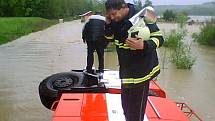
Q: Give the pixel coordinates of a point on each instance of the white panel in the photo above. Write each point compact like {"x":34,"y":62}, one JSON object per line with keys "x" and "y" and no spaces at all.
{"x":111,"y":79}
{"x":114,"y":106}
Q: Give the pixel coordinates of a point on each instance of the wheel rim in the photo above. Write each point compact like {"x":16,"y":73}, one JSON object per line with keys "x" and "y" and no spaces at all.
{"x":63,"y":82}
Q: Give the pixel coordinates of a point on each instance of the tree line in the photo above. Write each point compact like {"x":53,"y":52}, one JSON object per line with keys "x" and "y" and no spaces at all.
{"x":54,"y":8}
{"x":48,"y":8}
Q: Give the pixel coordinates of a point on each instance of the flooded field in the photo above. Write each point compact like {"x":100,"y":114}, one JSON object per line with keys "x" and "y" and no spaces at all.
{"x":28,"y":60}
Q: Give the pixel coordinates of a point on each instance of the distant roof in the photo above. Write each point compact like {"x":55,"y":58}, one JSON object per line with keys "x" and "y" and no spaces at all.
{"x":200,"y":18}
{"x":86,"y":13}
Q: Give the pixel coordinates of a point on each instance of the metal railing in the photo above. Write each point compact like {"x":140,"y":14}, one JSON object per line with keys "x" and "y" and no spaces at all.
{"x":188,"y":111}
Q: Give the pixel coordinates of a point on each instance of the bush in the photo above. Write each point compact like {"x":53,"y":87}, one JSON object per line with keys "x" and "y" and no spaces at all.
{"x":182,"y":18}
{"x":174,"y":39}
{"x":207,"y":34}
{"x":180,"y":53}
{"x":182,"y":58}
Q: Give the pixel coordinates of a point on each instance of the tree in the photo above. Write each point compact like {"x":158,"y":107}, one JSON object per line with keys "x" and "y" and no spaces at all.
{"x":169,"y":15}
{"x":148,"y":3}
{"x":49,"y":8}
{"x":138,"y":4}
{"x":99,"y":5}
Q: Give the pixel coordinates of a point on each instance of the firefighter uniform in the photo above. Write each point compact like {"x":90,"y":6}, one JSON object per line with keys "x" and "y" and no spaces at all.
{"x":137,"y":67}
{"x":93,"y":34}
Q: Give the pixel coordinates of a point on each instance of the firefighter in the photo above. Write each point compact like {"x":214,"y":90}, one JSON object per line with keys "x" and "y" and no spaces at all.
{"x":130,"y":4}
{"x":138,"y":60}
{"x":93,"y":35}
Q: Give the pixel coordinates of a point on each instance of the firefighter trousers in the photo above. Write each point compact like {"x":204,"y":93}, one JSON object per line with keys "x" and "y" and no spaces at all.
{"x":91,"y":48}
{"x":134,"y":100}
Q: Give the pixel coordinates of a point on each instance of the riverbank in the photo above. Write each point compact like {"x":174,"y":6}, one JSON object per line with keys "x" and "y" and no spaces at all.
{"x":12,"y":28}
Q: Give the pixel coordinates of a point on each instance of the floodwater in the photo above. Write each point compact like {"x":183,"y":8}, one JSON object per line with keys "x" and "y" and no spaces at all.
{"x":28,"y":60}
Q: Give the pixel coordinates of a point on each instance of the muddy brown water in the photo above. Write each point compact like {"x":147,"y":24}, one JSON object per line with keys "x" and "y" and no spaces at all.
{"x":29,"y":59}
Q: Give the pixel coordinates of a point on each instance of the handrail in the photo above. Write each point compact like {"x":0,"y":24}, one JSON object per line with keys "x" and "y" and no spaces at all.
{"x":188,"y":111}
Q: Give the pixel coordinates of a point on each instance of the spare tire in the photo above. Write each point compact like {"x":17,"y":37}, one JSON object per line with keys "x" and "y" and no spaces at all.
{"x":49,"y":87}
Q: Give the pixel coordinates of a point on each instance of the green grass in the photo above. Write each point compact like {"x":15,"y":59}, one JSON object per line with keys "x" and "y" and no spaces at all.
{"x":12,"y":28}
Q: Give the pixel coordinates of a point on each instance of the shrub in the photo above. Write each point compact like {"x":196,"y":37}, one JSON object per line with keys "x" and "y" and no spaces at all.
{"x":182,"y":58}
{"x":174,"y":39}
{"x":207,"y":34}
{"x":180,"y":53}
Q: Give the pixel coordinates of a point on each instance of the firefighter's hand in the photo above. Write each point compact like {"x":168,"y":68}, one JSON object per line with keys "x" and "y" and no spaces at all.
{"x":135,"y":43}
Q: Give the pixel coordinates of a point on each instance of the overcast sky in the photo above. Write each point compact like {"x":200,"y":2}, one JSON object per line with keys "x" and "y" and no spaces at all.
{"x":178,"y":2}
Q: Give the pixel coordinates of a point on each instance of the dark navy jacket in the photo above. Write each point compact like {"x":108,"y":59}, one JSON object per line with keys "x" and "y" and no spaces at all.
{"x":136,"y":66}
{"x":94,"y":29}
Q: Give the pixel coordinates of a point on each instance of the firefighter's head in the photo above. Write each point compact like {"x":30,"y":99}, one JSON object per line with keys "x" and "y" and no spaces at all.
{"x":116,"y":10}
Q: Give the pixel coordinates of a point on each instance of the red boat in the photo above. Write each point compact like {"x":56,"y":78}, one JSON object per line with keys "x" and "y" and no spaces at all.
{"x":79,"y":96}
